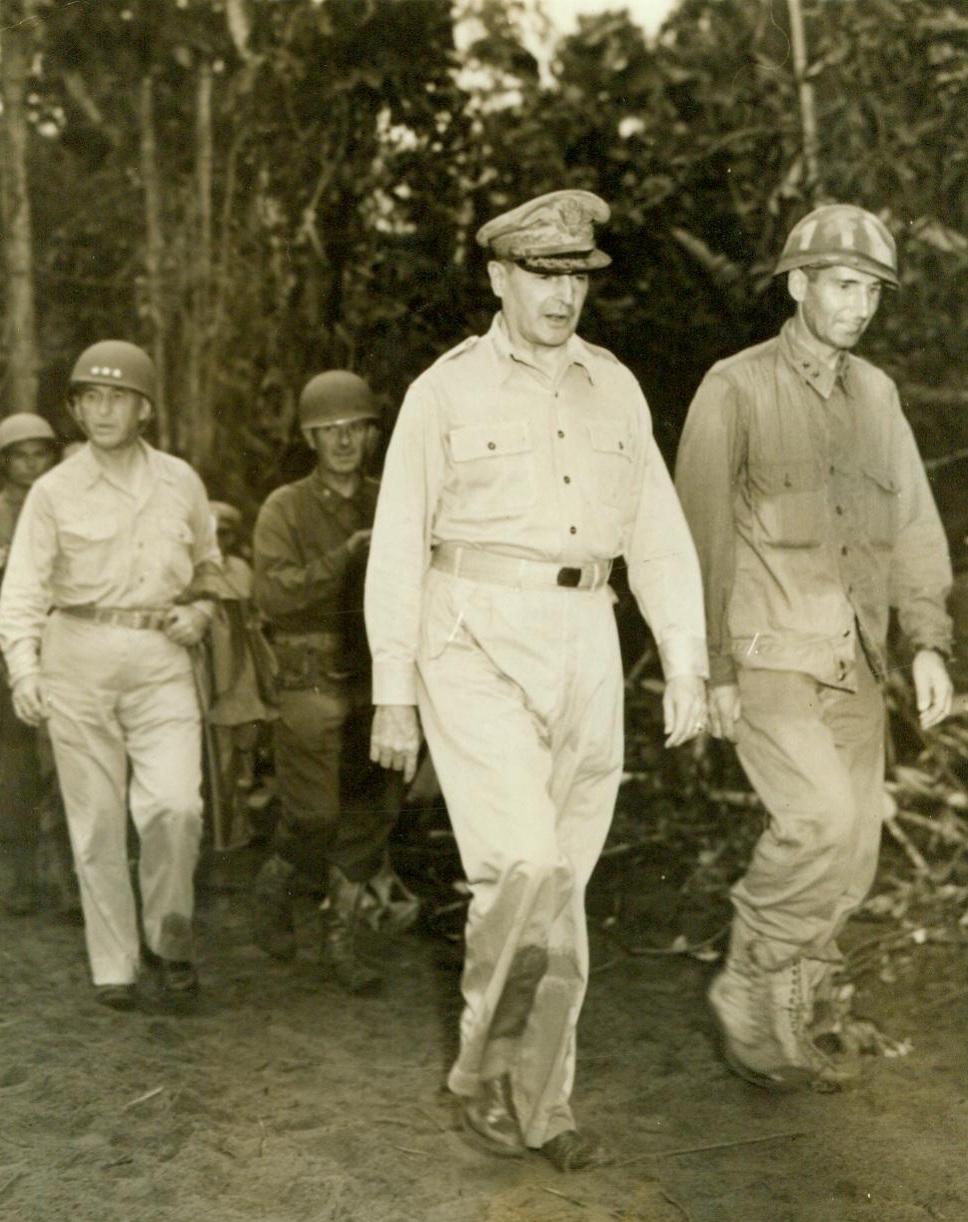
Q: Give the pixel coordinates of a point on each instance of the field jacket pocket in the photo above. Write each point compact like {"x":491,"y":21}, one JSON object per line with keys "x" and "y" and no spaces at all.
{"x":788,"y":503}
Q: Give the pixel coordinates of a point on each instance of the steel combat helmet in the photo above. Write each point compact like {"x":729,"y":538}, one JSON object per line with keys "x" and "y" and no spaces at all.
{"x":24,"y":426}
{"x":336,"y":397}
{"x":115,"y":362}
{"x":841,"y":235}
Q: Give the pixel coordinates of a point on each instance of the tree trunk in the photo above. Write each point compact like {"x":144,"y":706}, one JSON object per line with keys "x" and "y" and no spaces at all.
{"x":813,"y":186}
{"x":154,"y":253}
{"x":200,"y":340}
{"x":20,"y":324}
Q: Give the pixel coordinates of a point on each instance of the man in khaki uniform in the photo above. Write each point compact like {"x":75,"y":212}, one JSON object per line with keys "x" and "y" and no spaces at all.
{"x":522,"y":462}
{"x":812,"y":516}
{"x":102,"y":598}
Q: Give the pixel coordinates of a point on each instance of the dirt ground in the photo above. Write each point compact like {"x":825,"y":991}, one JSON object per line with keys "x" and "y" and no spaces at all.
{"x":284,"y":1100}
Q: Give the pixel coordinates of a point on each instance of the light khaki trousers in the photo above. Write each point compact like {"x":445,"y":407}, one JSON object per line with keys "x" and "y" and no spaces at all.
{"x":520,"y":697}
{"x":815,"y":756}
{"x":126,"y":731}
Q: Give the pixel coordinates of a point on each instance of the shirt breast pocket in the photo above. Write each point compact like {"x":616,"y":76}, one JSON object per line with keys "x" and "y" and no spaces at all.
{"x":171,"y":540}
{"x":88,"y":547}
{"x":881,"y":494}
{"x":611,"y":454}
{"x":494,"y":467}
{"x":788,"y":503}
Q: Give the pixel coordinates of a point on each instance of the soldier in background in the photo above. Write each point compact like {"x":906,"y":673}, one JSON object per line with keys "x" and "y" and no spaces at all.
{"x":30,"y":810}
{"x":103,"y":597}
{"x":310,"y":548}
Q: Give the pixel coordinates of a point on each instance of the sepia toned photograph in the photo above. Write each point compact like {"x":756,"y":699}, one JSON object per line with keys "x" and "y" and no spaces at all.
{"x":483,"y":610}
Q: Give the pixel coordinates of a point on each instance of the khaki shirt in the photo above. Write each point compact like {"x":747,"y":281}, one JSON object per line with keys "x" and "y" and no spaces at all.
{"x":811,"y":513}
{"x":492,"y":453}
{"x":82,"y":539}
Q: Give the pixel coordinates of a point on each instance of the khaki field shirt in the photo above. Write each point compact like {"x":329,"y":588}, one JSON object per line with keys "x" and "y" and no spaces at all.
{"x":811,"y":513}
{"x":489,"y":452}
{"x":83,"y":540}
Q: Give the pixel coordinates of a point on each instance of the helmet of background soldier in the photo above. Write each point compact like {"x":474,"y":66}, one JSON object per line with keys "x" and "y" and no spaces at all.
{"x":115,"y":362}
{"x":841,"y":235}
{"x":336,"y":397}
{"x":24,"y":426}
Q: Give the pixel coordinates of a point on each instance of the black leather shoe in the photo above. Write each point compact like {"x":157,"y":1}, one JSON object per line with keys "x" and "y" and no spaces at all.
{"x":571,"y":1151}
{"x":179,"y":981}
{"x":489,"y":1120}
{"x":115,"y":996}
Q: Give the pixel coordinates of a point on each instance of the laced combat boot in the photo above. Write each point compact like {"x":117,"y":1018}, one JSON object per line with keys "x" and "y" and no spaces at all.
{"x":341,"y":918}
{"x":388,"y":904}
{"x":763,"y":1016}
{"x":273,"y":928}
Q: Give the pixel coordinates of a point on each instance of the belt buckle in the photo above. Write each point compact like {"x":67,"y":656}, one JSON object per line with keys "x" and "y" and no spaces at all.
{"x":569,"y":577}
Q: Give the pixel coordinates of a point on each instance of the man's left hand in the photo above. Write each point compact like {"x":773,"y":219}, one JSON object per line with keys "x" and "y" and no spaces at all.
{"x":932,"y":687}
{"x":186,"y":625}
{"x":683,"y":708}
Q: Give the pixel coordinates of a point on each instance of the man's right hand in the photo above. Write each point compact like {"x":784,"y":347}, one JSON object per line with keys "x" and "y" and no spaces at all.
{"x":359,"y":540}
{"x":28,"y":700}
{"x":724,"y":711}
{"x":395,"y":739}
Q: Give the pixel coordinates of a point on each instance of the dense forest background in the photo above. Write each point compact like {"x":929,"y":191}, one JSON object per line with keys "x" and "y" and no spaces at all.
{"x":258,"y":189}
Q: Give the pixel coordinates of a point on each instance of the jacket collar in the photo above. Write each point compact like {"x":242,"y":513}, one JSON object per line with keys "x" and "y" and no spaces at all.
{"x":803,"y":354}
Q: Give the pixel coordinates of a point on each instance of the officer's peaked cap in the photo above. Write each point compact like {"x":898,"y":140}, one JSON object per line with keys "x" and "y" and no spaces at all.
{"x":552,"y":233}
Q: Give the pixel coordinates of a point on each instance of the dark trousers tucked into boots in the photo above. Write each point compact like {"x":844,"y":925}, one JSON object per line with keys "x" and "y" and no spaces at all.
{"x":338,"y":810}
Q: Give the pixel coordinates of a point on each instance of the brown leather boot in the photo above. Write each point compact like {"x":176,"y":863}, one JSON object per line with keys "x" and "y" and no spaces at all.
{"x":340,"y":922}
{"x":273,"y":929}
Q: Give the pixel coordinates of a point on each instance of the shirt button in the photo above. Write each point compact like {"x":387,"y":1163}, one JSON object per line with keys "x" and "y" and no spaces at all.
{"x":560,"y":433}
{"x":840,"y":509}
{"x":573,"y":530}
{"x":491,"y":445}
{"x":843,"y":550}
{"x":567,"y":479}
{"x":831,"y":468}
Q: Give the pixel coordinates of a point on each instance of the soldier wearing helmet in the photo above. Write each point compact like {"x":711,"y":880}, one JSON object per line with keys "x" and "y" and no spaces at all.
{"x":28,"y":448}
{"x":103,"y":598}
{"x":309,"y":552}
{"x":813,"y":517}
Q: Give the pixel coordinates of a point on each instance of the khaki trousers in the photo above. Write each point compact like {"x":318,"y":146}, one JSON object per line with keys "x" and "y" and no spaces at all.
{"x":520,"y":696}
{"x":126,"y":731}
{"x":815,"y":756}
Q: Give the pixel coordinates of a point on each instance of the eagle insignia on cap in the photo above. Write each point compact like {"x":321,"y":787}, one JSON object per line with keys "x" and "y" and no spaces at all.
{"x":554,"y":233}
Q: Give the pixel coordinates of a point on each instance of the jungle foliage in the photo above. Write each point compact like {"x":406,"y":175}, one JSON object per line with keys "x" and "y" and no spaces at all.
{"x":255,"y":190}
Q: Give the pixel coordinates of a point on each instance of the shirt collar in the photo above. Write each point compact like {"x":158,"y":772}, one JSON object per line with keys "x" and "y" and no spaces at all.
{"x":324,"y":491}
{"x":89,"y":470}
{"x":803,"y":353}
{"x":576,"y":348}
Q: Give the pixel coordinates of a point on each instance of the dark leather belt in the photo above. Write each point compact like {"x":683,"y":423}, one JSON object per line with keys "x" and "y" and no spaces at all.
{"x":120,"y":617}
{"x":503,"y":570}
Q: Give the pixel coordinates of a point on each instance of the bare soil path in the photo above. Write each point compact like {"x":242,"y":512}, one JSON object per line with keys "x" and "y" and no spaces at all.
{"x":283,"y":1100}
